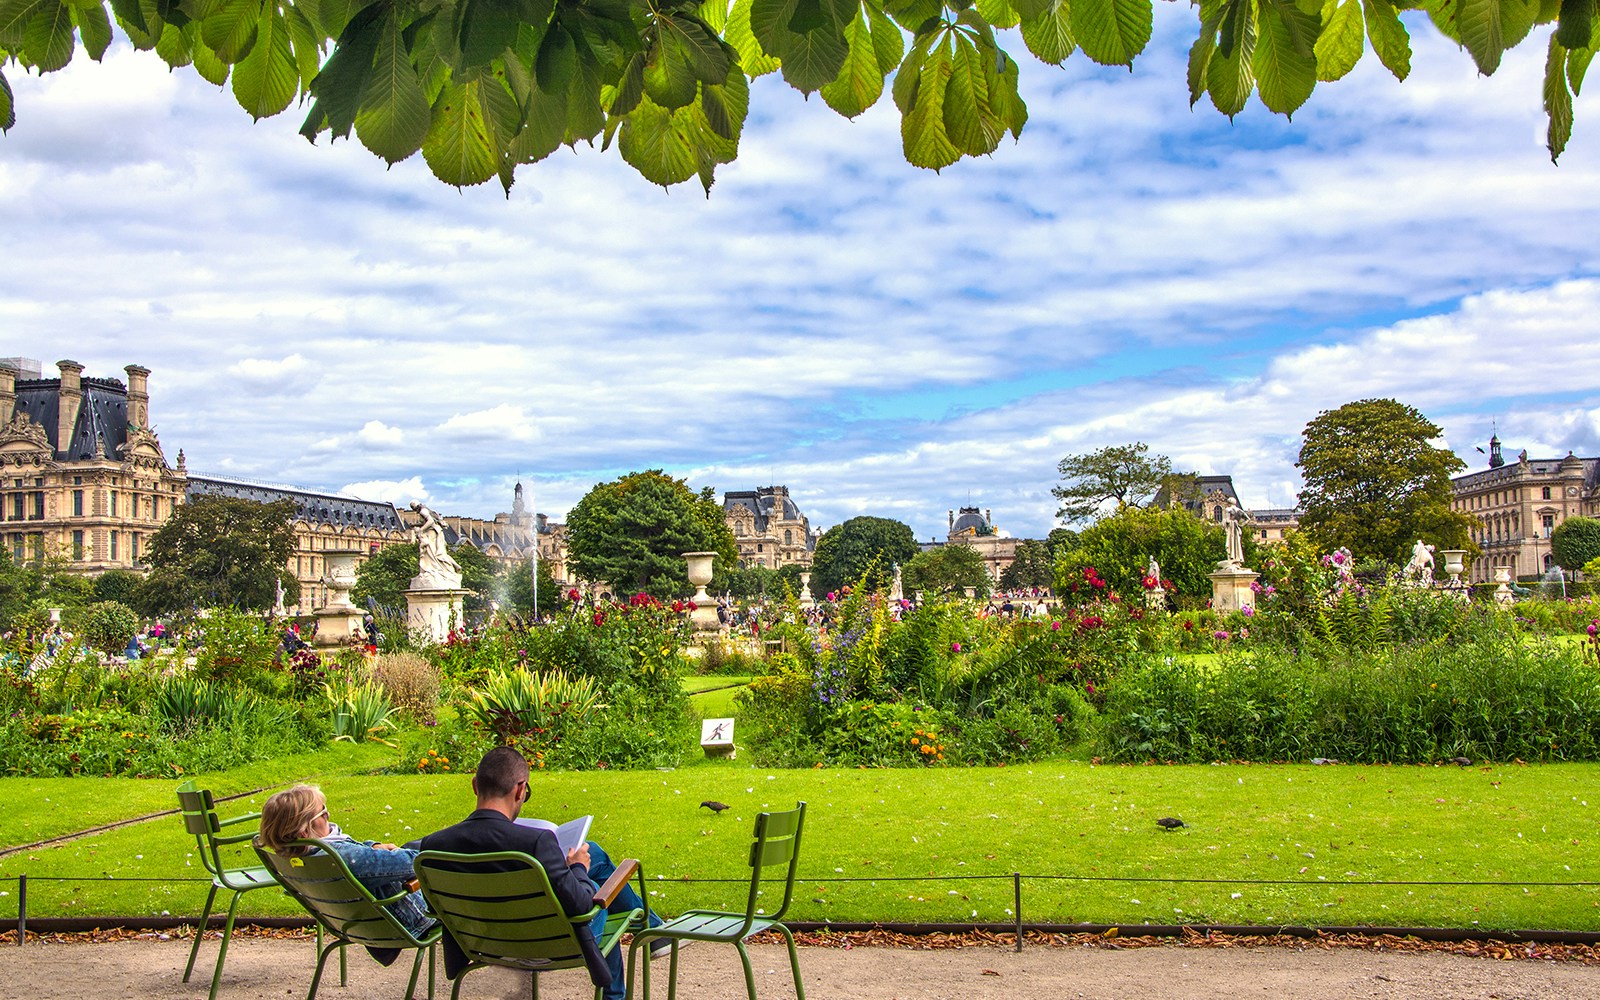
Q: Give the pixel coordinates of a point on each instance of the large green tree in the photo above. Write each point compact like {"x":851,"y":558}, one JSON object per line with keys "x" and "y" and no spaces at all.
{"x":1126,"y":475}
{"x":1031,"y":568}
{"x":946,"y":568}
{"x":384,"y":576}
{"x":480,"y":87}
{"x":1575,"y":542}
{"x":221,"y":552}
{"x":1375,"y":482}
{"x":846,"y":551}
{"x":631,"y":533}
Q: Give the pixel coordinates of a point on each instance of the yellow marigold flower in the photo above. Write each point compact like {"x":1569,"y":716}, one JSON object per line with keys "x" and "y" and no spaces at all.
{"x":433,"y":753}
{"x":915,"y":741}
{"x":423,"y":762}
{"x":444,"y":760}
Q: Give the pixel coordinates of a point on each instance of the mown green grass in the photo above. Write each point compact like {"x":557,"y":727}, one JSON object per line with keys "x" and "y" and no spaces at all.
{"x":1292,"y":822}
{"x":696,"y":683}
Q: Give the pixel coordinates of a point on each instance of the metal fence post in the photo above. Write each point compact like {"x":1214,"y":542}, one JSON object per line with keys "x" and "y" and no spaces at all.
{"x":1016,"y":898}
{"x":22,"y":909}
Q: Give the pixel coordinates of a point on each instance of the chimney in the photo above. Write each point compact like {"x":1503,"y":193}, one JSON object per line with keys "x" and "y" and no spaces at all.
{"x":69,"y":402}
{"x":8,"y":393}
{"x":138,"y":396}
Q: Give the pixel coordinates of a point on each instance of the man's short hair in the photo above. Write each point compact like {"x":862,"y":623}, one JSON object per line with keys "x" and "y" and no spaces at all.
{"x":501,"y":770}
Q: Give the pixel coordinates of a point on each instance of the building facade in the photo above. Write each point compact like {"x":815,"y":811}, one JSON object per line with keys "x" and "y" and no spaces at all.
{"x":323,"y":523}
{"x":509,"y":538}
{"x":82,"y":476}
{"x":1215,"y":495}
{"x":768,"y":528}
{"x":1518,"y":504}
{"x":976,"y":531}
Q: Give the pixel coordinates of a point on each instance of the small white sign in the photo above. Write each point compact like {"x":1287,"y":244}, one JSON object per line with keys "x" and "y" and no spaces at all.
{"x":716,"y":737}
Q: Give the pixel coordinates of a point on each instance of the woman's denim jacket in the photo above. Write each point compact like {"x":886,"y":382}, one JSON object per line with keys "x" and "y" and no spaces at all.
{"x":384,"y":873}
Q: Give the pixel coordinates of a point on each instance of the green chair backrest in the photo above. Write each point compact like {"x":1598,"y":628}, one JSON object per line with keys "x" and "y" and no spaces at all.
{"x":500,"y":909}
{"x":199,"y":813}
{"x":322,"y":883}
{"x":777,"y":842}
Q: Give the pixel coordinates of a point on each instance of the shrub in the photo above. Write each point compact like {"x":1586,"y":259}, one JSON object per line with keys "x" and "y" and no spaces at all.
{"x":360,"y":711}
{"x":531,"y":707}
{"x":239,"y":649}
{"x":411,"y":682}
{"x":107,"y":626}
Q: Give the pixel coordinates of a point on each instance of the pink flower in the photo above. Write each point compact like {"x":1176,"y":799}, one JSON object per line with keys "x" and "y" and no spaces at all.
{"x":1219,"y":634}
{"x":955,"y":647}
{"x":1248,"y":610}
{"x":1055,"y":626}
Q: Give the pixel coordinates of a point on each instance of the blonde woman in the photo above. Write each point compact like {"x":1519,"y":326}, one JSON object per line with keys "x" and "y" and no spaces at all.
{"x":301,"y":813}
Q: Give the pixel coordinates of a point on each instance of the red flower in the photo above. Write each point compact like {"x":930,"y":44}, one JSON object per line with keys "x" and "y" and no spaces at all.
{"x":599,"y":617}
{"x":572,"y":595}
{"x":677,"y":606}
{"x":1149,"y":583}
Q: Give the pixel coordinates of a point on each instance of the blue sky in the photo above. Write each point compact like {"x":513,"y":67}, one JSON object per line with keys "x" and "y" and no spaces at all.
{"x":882,"y":339}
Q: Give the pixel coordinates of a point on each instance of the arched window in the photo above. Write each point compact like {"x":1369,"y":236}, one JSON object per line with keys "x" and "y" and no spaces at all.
{"x":788,"y":536}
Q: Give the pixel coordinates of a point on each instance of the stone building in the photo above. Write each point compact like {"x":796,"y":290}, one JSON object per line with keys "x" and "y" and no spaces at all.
{"x":975,"y":529}
{"x":82,"y":475}
{"x":1517,"y":505}
{"x":768,"y":528}
{"x":323,"y":523}
{"x":1214,"y":495}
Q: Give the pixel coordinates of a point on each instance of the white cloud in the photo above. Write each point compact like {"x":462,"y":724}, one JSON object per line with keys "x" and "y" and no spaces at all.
{"x":505,"y":423}
{"x":377,"y":434}
{"x":400,"y":493}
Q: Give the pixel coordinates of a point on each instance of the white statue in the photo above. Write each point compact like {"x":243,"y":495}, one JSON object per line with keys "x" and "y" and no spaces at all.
{"x":436,"y":570}
{"x":277,"y":603}
{"x":1420,"y":568}
{"x":1233,"y":528}
{"x":1153,"y":571}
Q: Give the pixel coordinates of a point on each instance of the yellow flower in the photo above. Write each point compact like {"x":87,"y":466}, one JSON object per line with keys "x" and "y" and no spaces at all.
{"x":444,"y":760}
{"x":423,"y":762}
{"x":447,"y":767}
{"x":915,"y":741}
{"x":433,"y":753}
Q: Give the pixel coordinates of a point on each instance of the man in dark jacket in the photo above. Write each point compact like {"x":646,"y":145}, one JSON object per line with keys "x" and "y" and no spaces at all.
{"x":501,"y":785}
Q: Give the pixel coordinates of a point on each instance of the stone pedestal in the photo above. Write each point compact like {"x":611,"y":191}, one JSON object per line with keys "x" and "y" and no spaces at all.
{"x":1230,"y":587}
{"x":704,"y":615}
{"x":806,"y":600}
{"x":1155,"y":599}
{"x":435,"y":611}
{"x":1502,"y":590}
{"x":339,"y":619}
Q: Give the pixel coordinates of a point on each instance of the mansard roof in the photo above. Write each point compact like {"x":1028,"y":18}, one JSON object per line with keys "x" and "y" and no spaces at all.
{"x":102,"y":426}
{"x":315,"y":508}
{"x":765,"y":502}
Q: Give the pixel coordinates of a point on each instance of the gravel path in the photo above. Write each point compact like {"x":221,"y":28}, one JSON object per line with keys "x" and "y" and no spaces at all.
{"x":261,"y":968}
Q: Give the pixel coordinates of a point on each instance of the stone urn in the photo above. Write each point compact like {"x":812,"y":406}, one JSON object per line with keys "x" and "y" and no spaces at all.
{"x":1454,"y":564}
{"x":704,"y":615}
{"x":340,"y":579}
{"x":1502,"y":590}
{"x":806,"y":600}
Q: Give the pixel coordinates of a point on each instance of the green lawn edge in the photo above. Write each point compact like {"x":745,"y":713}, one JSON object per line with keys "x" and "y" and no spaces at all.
{"x":941,"y":845}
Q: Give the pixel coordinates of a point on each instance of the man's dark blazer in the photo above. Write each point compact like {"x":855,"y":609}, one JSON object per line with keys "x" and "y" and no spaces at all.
{"x":487,"y":831}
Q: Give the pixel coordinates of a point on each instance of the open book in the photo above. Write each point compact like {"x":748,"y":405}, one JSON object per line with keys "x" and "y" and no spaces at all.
{"x":569,"y":834}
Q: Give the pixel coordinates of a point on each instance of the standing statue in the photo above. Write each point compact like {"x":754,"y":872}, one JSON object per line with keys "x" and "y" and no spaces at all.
{"x":1233,"y":528}
{"x":436,"y":570}
{"x":1420,"y":568}
{"x":1153,"y":571}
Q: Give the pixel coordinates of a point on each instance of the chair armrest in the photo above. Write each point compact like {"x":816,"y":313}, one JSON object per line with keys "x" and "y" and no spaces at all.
{"x":237,"y":838}
{"x":619,"y":878}
{"x":242,"y":818}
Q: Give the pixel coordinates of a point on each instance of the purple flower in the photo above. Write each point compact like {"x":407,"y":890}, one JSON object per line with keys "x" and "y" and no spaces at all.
{"x":1248,"y":610}
{"x":1219,"y":634}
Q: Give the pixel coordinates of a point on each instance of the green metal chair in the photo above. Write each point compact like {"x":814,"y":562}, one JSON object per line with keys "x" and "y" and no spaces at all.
{"x":777,"y":842}
{"x":200,"y":818}
{"x":323,"y":884}
{"x":501,"y":910}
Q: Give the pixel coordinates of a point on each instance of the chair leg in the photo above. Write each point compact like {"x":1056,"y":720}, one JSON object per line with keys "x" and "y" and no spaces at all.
{"x":227,"y":935}
{"x":200,"y":931}
{"x":431,"y":978}
{"x":794,"y":963}
{"x":672,"y":972}
{"x":344,"y":965}
{"x":533,"y":986}
{"x":416,"y":970}
{"x":749,"y":974}
{"x":322,"y":960}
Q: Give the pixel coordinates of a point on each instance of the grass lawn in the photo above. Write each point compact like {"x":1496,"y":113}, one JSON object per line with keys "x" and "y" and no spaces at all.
{"x":877,"y":842}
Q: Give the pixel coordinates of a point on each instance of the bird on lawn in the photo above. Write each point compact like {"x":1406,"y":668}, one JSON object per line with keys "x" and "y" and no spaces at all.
{"x":714,"y":805}
{"x":1170,"y":823}
{"x":1461,"y":761}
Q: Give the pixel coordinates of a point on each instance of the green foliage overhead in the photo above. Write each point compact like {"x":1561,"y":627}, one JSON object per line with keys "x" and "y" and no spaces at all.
{"x":1126,"y":475}
{"x":846,"y":551}
{"x":478,"y":575}
{"x":948,"y":567}
{"x":1576,"y":542}
{"x":1375,"y":483}
{"x":631,"y":533}
{"x":221,"y":552}
{"x":481,"y":87}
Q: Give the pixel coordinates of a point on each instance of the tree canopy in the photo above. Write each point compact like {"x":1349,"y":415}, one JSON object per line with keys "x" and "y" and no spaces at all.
{"x":221,"y":552}
{"x":481,"y":87}
{"x":1375,"y":483}
{"x":1120,"y":545}
{"x":847,"y":551}
{"x":1126,"y":474}
{"x":631,"y":533}
{"x":1031,"y":567}
{"x":945,"y":568}
{"x":1576,"y":542}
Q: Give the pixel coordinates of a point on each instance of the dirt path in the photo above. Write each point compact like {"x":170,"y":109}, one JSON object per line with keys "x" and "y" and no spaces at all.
{"x":280,"y":969}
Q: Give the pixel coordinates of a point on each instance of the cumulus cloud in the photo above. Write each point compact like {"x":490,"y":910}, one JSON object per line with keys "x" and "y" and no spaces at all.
{"x":377,"y":434}
{"x":400,"y":493}
{"x":503,"y":423}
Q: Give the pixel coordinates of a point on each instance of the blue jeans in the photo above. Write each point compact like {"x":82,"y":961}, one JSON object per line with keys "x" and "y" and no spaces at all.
{"x":600,"y":869}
